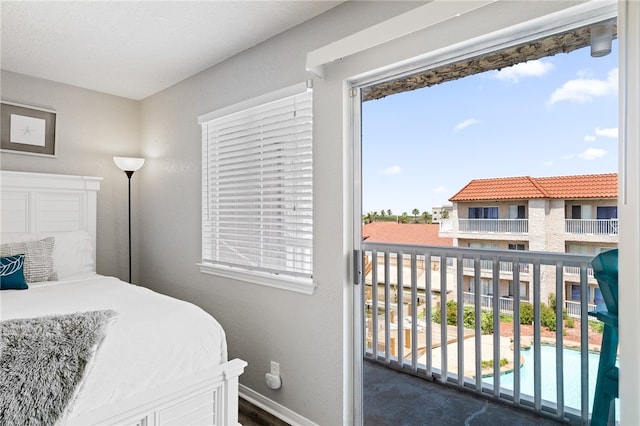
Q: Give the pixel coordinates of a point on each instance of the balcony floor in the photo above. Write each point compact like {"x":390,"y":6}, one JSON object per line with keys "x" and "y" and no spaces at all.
{"x":398,"y":399}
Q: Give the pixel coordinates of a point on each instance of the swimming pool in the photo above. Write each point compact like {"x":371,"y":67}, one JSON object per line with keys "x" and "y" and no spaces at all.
{"x":571,"y":376}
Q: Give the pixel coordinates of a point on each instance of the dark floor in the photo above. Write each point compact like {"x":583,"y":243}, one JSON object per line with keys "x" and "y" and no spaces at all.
{"x":392,"y":398}
{"x":250,"y":415}
{"x":398,"y":399}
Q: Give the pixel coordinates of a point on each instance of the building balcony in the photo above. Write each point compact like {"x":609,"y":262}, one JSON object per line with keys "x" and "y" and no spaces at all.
{"x":477,"y":344}
{"x":591,"y":226}
{"x":486,"y":226}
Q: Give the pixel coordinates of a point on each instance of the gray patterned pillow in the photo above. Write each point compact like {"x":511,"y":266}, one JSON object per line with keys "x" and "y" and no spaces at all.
{"x":38,"y":259}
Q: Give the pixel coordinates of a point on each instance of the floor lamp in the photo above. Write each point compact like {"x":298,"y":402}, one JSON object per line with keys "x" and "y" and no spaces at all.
{"x":129,"y":165}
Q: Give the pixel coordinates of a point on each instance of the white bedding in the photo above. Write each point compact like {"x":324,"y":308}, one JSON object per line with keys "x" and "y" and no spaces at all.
{"x":154,"y":340}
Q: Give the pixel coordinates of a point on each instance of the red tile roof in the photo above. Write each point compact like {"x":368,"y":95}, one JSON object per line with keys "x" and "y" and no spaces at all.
{"x":526,"y":187}
{"x":404,"y":233}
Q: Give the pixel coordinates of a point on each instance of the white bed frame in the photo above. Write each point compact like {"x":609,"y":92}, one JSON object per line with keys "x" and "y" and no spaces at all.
{"x":45,"y":203}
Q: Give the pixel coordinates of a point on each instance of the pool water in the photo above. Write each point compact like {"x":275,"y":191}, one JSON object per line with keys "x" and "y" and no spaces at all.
{"x":571,"y":376}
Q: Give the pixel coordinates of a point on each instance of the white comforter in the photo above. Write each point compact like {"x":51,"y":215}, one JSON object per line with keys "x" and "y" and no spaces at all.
{"x":154,"y":340}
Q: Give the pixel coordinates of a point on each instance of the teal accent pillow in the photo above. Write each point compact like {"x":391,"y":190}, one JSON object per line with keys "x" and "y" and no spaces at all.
{"x":12,"y":273}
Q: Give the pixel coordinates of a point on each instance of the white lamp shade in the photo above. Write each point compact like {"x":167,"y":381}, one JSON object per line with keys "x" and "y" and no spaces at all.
{"x":129,"y":164}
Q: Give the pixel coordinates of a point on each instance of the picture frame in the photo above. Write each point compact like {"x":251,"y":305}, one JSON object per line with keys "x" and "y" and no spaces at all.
{"x":27,"y":129}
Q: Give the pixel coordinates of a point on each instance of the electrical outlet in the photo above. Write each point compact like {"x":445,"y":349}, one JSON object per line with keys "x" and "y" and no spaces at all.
{"x":275,"y":368}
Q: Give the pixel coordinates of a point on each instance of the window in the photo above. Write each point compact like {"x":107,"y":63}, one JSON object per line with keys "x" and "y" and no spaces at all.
{"x":576,"y":212}
{"x":483,"y":212}
{"x":257,"y":200}
{"x":523,"y":288}
{"x":516,"y":212}
{"x":575,"y":293}
{"x":607,"y":212}
{"x":516,"y":246}
{"x":486,"y":287}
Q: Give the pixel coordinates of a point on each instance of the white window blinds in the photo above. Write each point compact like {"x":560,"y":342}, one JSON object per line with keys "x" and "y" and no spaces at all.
{"x":257,"y":198}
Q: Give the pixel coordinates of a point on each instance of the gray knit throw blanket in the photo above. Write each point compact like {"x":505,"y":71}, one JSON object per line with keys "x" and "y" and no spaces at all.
{"x":42,"y":361}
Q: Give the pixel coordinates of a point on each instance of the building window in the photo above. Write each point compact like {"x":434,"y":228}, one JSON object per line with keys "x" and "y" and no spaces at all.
{"x":483,"y":212}
{"x":516,"y":212}
{"x":576,"y":212}
{"x":257,"y":199}
{"x":607,"y":212}
{"x":516,"y":246}
{"x":575,"y":293}
{"x":524,"y":290}
{"x":486,"y":287}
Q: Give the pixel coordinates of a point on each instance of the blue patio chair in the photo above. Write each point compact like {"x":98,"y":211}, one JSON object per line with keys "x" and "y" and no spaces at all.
{"x":605,"y":270}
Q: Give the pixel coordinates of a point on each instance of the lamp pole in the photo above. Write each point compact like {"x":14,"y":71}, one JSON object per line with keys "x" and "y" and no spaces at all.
{"x":129,"y":173}
{"x":129,"y":166}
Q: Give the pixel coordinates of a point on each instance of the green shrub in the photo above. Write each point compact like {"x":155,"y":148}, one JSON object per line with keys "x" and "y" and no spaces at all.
{"x":469,"y":317}
{"x":452,"y":312}
{"x":553,"y":305}
{"x":526,"y":313}
{"x":597,"y":326}
{"x":489,"y":364}
{"x":486,"y":322}
{"x":548,"y":317}
{"x":506,"y":318}
{"x":435,"y":315}
{"x":570,"y":323}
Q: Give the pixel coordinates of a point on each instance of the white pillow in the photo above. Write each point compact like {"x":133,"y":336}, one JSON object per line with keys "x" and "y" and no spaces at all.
{"x":72,"y":252}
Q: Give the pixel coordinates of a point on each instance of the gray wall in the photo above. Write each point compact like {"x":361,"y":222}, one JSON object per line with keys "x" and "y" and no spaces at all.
{"x":303,"y":333}
{"x":92,"y":128}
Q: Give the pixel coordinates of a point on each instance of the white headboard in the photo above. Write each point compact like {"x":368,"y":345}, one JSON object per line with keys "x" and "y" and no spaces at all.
{"x":41,"y":203}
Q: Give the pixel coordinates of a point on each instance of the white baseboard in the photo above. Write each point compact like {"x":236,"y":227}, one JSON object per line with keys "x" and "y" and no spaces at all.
{"x":272,"y":407}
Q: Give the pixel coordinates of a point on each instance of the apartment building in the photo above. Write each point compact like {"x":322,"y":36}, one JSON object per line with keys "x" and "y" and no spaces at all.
{"x":570,"y":214}
{"x":441,"y":212}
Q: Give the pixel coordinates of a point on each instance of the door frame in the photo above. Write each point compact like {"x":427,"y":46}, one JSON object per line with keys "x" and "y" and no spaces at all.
{"x":573,"y":17}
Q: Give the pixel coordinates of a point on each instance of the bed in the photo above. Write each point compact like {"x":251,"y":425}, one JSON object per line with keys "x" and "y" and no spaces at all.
{"x":136,"y":357}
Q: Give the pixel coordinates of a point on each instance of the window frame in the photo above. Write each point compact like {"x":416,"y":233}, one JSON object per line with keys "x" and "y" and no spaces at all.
{"x":299,"y":284}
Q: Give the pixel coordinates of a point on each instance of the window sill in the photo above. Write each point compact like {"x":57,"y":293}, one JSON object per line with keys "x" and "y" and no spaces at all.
{"x":297,"y":285}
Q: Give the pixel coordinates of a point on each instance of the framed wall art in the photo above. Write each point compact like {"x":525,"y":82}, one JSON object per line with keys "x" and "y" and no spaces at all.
{"x":27,"y":130}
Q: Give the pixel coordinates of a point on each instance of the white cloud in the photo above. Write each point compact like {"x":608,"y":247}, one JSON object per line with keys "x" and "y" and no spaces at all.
{"x":589,"y":138}
{"x":568,"y":157}
{"x":607,"y":133}
{"x":514,"y":73}
{"x":393,"y":170}
{"x":592,"y":153}
{"x":465,"y":123}
{"x":439,"y":189}
{"x":586,"y":89}
{"x":548,"y":163}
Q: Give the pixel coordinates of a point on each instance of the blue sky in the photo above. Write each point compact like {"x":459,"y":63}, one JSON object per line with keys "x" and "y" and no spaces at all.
{"x":551,"y":117}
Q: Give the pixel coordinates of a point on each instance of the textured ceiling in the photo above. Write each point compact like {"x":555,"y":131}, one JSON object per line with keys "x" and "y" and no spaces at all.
{"x":137,"y":48}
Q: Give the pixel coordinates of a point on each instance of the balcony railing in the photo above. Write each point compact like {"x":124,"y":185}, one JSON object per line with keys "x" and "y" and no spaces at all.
{"x":472,"y":347}
{"x":486,"y":265}
{"x":591,"y":226}
{"x":574,"y":308}
{"x":492,"y":226}
{"x":486,"y":302}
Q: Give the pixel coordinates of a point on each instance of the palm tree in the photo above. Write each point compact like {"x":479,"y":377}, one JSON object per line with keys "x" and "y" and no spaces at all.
{"x":388,"y":212}
{"x":425,"y":216}
{"x":404,"y":218}
{"x":415,"y":213}
{"x":382,"y":213}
